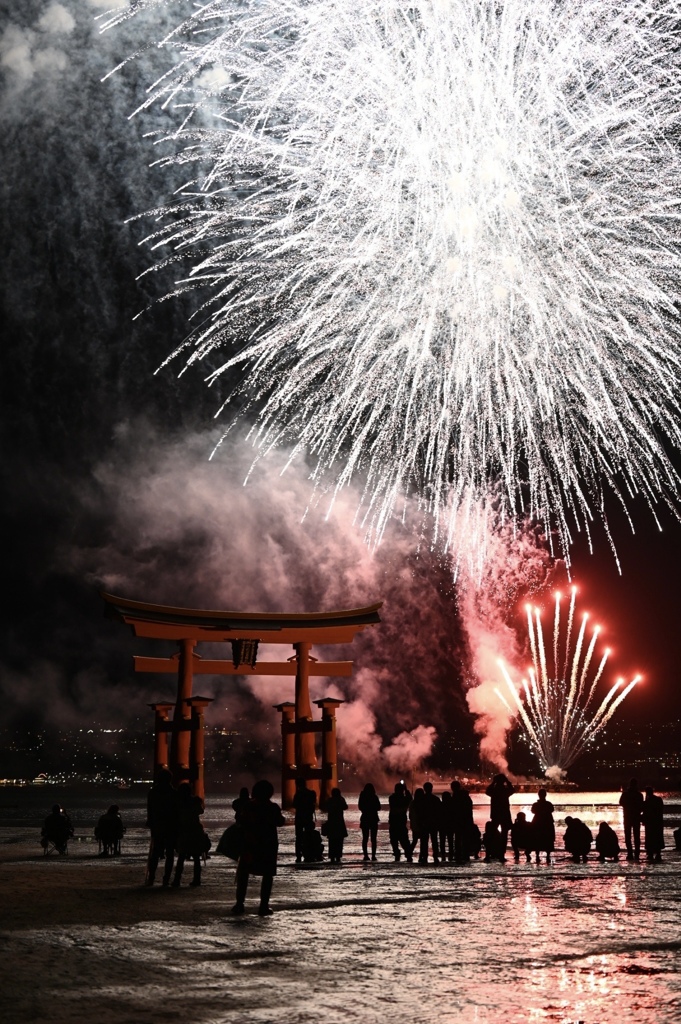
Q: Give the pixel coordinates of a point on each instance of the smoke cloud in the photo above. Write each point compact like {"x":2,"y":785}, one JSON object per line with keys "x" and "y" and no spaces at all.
{"x":516,"y":564}
{"x":157,"y":520}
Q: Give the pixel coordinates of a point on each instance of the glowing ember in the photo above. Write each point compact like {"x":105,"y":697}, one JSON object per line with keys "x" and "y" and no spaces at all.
{"x":439,"y":238}
{"x":554,"y":706}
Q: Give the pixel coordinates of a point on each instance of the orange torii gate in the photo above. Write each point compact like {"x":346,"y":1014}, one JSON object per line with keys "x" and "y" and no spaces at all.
{"x":184,"y":755}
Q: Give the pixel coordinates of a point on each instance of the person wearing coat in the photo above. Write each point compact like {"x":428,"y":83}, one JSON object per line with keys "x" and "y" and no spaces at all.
{"x":499,"y":792}
{"x":57,"y":829}
{"x":241,"y":804}
{"x":607,"y":843}
{"x":432,"y":818}
{"x":260,"y":847}
{"x":494,"y":848}
{"x":192,"y":841}
{"x":447,"y":827}
{"x":466,"y":832}
{"x":162,"y":823}
{"x":631,"y":802}
{"x":521,"y":837}
{"x":109,"y":830}
{"x":543,"y":828}
{"x":398,"y":831}
{"x":336,"y":829}
{"x":653,"y":825}
{"x":369,"y":805}
{"x":304,"y":804}
{"x":578,"y":839}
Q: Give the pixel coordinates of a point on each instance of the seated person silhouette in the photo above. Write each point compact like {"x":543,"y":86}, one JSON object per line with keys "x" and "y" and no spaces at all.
{"x":110,"y":830}
{"x":521,"y":837}
{"x":56,"y":831}
{"x":607,"y":843}
{"x":495,"y":842}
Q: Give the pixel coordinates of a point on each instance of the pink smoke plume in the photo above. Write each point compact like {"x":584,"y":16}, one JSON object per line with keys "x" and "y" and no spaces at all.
{"x":360,"y":743}
{"x":503,"y":562}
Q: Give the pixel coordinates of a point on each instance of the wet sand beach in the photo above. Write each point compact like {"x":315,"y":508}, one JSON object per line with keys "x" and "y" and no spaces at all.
{"x":84,"y":941}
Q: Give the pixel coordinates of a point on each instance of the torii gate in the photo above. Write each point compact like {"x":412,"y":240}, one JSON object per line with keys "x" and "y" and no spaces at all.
{"x":244,"y":631}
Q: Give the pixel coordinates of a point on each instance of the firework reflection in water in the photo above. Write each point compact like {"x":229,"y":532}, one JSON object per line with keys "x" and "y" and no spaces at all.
{"x":555,"y":707}
{"x":439,"y":240}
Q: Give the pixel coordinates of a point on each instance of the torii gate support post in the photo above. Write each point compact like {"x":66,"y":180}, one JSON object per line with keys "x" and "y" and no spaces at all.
{"x":288,"y":752}
{"x":162,"y":727}
{"x":329,"y":706}
{"x":304,"y":741}
{"x":197,"y":706}
{"x":182,"y":716}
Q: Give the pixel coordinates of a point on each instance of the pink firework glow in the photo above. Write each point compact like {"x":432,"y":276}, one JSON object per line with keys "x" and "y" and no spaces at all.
{"x":554,"y":701}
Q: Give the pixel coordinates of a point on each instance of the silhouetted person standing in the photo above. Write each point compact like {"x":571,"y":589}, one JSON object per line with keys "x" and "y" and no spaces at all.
{"x":607,"y":843}
{"x":162,"y":821}
{"x":631,"y":803}
{"x":447,"y":826}
{"x":653,"y":825}
{"x":499,"y":792}
{"x":543,"y":828}
{"x":304,"y":803}
{"x":261,"y":846}
{"x":578,"y":839}
{"x":398,"y":817}
{"x":336,"y":829}
{"x":462,"y":813}
{"x":432,"y":811}
{"x":369,"y":805}
{"x":192,"y":841}
{"x":417,"y":817}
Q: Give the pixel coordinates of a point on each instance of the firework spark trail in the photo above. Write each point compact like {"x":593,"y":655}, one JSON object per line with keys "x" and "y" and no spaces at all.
{"x":556,"y":633}
{"x":596,"y":679}
{"x":571,"y":619}
{"x":587,"y":663}
{"x":439,"y":240}
{"x":554,"y":711}
{"x":572,"y":693}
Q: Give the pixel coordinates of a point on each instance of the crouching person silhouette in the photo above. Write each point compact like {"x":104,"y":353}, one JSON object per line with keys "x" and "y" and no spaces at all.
{"x":261,"y":846}
{"x":607,"y":844}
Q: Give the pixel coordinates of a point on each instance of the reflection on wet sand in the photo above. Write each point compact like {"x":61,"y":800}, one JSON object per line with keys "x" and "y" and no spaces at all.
{"x":83,"y":939}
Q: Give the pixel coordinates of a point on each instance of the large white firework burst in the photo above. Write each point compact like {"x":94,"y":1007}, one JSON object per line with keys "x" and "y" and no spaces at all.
{"x":440,"y":239}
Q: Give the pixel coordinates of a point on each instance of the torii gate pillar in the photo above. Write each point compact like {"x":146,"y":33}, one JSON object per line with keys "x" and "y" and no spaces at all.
{"x":162,"y":726}
{"x":180,"y":743}
{"x":288,"y":751}
{"x":197,"y":707}
{"x":304,"y":741}
{"x":329,"y":706}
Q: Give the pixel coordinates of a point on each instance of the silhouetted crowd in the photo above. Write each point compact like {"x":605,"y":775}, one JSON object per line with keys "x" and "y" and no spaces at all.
{"x":423,"y":827}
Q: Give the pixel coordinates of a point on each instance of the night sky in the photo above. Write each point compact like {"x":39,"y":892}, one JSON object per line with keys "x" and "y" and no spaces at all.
{"x":106,"y":478}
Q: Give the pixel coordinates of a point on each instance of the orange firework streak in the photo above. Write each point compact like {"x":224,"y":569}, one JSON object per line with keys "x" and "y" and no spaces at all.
{"x":244,"y":631}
